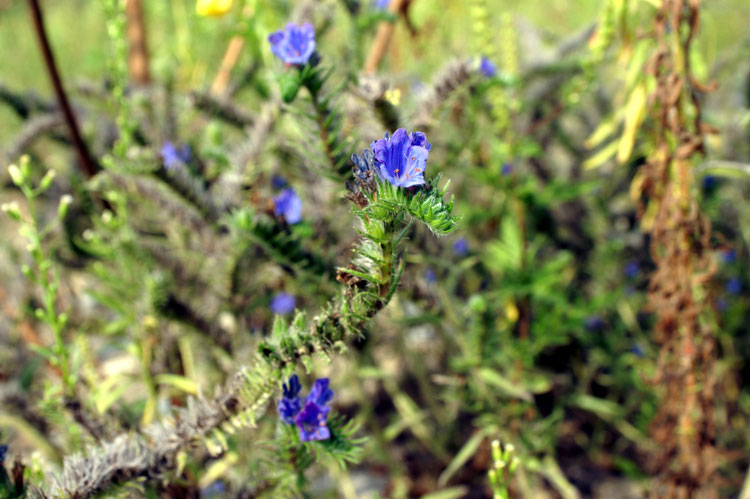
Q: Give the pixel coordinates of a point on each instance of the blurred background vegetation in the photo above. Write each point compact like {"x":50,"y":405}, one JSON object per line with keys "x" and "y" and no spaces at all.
{"x":531,"y":324}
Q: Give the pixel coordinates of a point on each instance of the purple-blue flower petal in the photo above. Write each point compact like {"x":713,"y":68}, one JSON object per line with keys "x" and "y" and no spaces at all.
{"x":294,"y":44}
{"x":288,"y":205}
{"x":461,"y":246}
{"x":487,"y":67}
{"x":312,"y":422}
{"x":320,"y":393}
{"x":293,"y":387}
{"x":402,"y":158}
{"x":283,"y":303}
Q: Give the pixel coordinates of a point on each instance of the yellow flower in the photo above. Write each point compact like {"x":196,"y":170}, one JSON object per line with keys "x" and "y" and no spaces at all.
{"x":393,"y":95}
{"x":213,"y":8}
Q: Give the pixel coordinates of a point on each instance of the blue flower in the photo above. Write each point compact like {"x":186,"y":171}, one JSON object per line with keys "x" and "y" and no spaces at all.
{"x":637,"y":350}
{"x":729,"y":256}
{"x":734,"y":286}
{"x":295,"y":44}
{"x":216,"y":488}
{"x":461,"y":246}
{"x":402,"y":158}
{"x":382,"y":4}
{"x":288,"y":205}
{"x":3,"y":452}
{"x":631,"y":269}
{"x":283,"y":303}
{"x":278,"y":182}
{"x":506,"y":169}
{"x":429,"y":276}
{"x":594,"y":323}
{"x":709,"y":182}
{"x":173,"y":157}
{"x":487,"y":67}
{"x":722,"y":304}
{"x":313,"y":418}
{"x":320,"y":394}
{"x":290,"y":403}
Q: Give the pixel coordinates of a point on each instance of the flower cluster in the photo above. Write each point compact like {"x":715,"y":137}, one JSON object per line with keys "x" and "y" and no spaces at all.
{"x":401,"y":159}
{"x":312,"y":417}
{"x":295,"y":44}
{"x":288,"y":205}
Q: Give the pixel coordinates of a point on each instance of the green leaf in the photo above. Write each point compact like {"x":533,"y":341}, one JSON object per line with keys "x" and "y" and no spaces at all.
{"x":509,"y":388}
{"x":179,"y":382}
{"x":468,"y":450}
{"x":290,"y":83}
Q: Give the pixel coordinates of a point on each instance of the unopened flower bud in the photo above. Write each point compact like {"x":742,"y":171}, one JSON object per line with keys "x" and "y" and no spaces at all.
{"x":12,"y":210}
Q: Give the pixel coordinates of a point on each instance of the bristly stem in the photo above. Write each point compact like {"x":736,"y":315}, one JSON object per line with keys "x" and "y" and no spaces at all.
{"x":89,"y":165}
{"x":327,"y":124}
{"x":387,"y":267}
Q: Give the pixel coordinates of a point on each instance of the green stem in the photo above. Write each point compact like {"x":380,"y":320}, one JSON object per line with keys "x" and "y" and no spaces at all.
{"x":327,"y":131}
{"x":49,"y":288}
{"x":386,"y":271}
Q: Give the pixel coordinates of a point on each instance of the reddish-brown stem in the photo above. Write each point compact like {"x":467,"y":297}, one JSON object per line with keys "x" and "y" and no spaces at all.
{"x":138,"y":50}
{"x":382,"y":39}
{"x":89,"y":165}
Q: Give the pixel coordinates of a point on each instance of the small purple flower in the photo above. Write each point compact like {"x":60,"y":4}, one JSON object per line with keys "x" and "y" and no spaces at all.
{"x":283,"y":303}
{"x":729,"y":256}
{"x":734,"y":286}
{"x":487,"y":67}
{"x":461,"y":247}
{"x":216,"y":488}
{"x":288,"y":205}
{"x":631,"y":269}
{"x":382,"y":4}
{"x":278,"y":182}
{"x":173,"y":157}
{"x":3,"y":452}
{"x":402,"y":158}
{"x":320,"y":394}
{"x":290,"y":404}
{"x":722,"y":304}
{"x":313,"y":418}
{"x":295,"y":44}
{"x":429,"y":276}
{"x":312,"y":422}
{"x":506,"y":169}
{"x":709,"y":182}
{"x":637,"y":350}
{"x":594,"y":323}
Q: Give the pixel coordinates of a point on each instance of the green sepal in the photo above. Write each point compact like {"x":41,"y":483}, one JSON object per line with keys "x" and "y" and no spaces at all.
{"x":289,"y":83}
